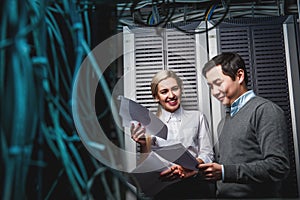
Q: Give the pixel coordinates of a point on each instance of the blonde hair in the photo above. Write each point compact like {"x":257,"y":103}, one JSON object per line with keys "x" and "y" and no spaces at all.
{"x":160,"y":76}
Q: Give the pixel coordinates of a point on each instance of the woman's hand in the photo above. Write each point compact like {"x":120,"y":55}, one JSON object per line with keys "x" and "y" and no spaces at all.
{"x":138,"y":133}
{"x":176,"y":172}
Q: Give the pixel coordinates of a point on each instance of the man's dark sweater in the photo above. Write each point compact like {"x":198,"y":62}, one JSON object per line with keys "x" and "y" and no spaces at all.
{"x":253,"y":149}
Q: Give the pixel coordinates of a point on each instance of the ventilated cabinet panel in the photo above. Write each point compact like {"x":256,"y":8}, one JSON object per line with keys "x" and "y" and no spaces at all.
{"x":164,"y":49}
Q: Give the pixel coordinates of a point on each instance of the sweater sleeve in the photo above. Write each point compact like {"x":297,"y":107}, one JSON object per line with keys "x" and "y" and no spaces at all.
{"x":269,"y":125}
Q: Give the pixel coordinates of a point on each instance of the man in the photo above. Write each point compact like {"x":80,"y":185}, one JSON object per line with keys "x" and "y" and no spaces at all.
{"x":251,"y":151}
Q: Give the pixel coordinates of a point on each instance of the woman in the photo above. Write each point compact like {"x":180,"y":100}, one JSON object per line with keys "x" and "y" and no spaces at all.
{"x":190,"y":128}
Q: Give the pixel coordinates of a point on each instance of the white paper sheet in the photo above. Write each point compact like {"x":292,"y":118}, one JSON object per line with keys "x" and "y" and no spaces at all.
{"x":178,"y":154}
{"x":146,"y":175}
{"x":132,"y":111}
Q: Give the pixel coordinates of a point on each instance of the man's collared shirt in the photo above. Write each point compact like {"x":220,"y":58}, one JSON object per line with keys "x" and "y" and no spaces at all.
{"x":240,"y":102}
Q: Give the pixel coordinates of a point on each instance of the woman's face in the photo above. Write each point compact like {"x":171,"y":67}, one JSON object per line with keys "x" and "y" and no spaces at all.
{"x":169,"y":94}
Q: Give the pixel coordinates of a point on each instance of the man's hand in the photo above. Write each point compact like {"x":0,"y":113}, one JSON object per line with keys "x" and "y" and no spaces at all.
{"x":211,"y":171}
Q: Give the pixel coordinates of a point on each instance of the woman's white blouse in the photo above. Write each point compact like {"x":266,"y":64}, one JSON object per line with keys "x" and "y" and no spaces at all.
{"x":190,"y":128}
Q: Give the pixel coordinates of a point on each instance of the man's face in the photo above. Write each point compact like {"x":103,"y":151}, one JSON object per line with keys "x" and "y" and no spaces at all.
{"x":222,"y":86}
{"x":169,"y":94}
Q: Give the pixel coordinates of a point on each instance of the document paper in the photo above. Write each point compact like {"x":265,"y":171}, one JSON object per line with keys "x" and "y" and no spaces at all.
{"x":132,"y":111}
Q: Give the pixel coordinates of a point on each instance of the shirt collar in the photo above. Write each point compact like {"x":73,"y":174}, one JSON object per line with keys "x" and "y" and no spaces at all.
{"x":175,"y":116}
{"x":240,"y":102}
